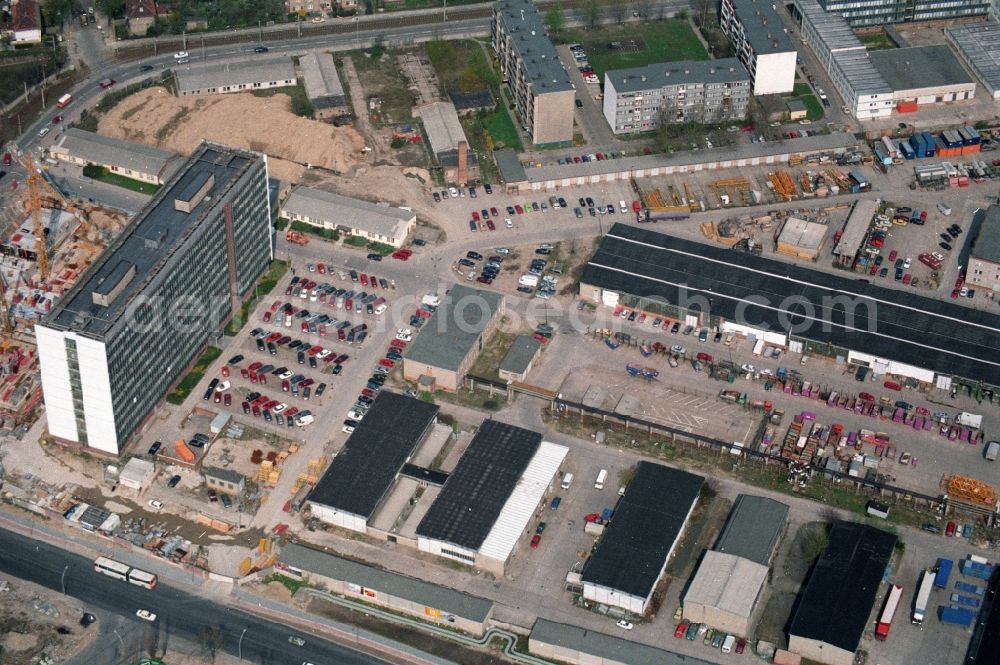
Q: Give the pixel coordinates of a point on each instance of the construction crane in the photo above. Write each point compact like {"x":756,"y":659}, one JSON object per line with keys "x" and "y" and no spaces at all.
{"x":35,"y":184}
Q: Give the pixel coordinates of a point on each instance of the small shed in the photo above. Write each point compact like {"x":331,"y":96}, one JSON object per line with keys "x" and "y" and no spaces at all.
{"x":225,"y":481}
{"x":522,"y":354}
{"x":796,"y":109}
{"x":219,"y":422}
{"x":137,"y":474}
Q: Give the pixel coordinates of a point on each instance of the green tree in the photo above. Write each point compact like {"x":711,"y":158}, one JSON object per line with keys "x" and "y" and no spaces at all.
{"x":469,"y":80}
{"x":57,"y":11}
{"x":592,"y":13}
{"x":555,"y":19}
{"x":111,"y":8}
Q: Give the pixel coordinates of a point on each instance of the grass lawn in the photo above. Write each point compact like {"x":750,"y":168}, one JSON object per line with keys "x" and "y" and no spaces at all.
{"x":501,"y":128}
{"x":129,"y":183}
{"x":877,"y":41}
{"x":188,"y":383}
{"x":665,"y":41}
{"x":804,"y":93}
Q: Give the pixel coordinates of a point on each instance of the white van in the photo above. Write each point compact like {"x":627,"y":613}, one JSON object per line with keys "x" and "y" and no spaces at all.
{"x":727,"y":644}
{"x":944,"y":208}
{"x":758,"y":348}
{"x":601,"y":477}
{"x":624,"y":208}
{"x":567,"y":481}
{"x":528,"y":280}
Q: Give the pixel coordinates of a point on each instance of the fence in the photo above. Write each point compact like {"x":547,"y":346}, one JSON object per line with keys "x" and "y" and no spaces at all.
{"x":881,"y":490}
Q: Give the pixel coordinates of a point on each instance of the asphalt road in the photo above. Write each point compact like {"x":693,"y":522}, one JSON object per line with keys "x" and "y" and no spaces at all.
{"x":179,"y":613}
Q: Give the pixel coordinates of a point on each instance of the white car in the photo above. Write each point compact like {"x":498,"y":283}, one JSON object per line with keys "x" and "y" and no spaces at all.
{"x":678,"y":349}
{"x":356,"y":415}
{"x":296,"y":640}
{"x":278,"y":409}
{"x":622,"y":623}
{"x":908,"y":262}
{"x":180,"y":55}
{"x":502,"y":250}
{"x":324,"y":353}
{"x":145,"y":614}
{"x":43,"y":131}
{"x":222,"y":387}
{"x":508,"y":223}
{"x":153,"y":503}
{"x":285,"y":375}
{"x":405,"y":331}
{"x":347,"y":428}
{"x":404,"y":338}
{"x":748,"y":368}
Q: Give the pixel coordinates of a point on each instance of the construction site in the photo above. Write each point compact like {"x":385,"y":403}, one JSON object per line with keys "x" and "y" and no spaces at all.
{"x":46,"y":243}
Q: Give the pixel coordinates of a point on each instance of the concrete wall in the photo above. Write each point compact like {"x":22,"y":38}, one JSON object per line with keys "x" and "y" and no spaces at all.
{"x":775,"y":73}
{"x":553,"y":117}
{"x":339,"y":518}
{"x":446,"y":380}
{"x":565,"y":655}
{"x":819,"y":651}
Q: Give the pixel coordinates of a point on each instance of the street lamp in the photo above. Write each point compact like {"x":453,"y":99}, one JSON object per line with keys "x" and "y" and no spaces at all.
{"x":63,"y":579}
{"x":115,"y":631}
{"x":240,"y":645}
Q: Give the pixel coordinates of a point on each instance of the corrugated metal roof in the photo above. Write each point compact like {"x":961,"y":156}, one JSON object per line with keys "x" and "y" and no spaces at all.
{"x":444,"y":129}
{"x":107,"y":151}
{"x":452,"y":331}
{"x":343,"y":211}
{"x":987,"y":243}
{"x":321,"y":80}
{"x":728,"y":583}
{"x":205,"y":76}
{"x":419,"y":592}
{"x":606,"y":647}
{"x":920,"y":67}
{"x":979,"y":46}
{"x":856,"y":227}
{"x":755,"y":523}
{"x":523,"y":501}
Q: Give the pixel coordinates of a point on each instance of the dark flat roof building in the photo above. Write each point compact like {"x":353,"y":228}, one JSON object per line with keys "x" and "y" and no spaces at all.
{"x":633,"y":551}
{"x":846,"y":577}
{"x":752,"y":530}
{"x":894,"y":332}
{"x":364,"y":471}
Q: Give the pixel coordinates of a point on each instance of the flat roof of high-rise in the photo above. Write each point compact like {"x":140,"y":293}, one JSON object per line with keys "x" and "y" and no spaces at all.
{"x":685,"y":72}
{"x":150,"y":242}
{"x":763,"y":27}
{"x":530,"y":40}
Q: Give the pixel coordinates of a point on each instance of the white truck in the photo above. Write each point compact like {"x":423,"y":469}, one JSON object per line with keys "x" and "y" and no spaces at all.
{"x":567,"y":481}
{"x":431,"y":299}
{"x":528,"y":280}
{"x":972,"y":420}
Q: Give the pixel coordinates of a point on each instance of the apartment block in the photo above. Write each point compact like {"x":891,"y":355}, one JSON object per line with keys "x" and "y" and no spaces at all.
{"x":539,"y":84}
{"x":861,"y":13}
{"x":761,"y":43}
{"x":142,"y":313}
{"x":984,"y":260}
{"x":643,"y":98}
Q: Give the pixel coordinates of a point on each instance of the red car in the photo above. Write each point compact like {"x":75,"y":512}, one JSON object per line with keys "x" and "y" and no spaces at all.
{"x":106,"y":83}
{"x":368,"y":392}
{"x":373,"y":281}
{"x":867,"y":397}
{"x":892,"y":256}
{"x":490,"y":225}
{"x":741,"y":645}
{"x":400,"y":255}
{"x":397,"y":344}
{"x":228,"y":399}
{"x":475,"y":215}
{"x":385,"y":362}
{"x":364,"y":279}
{"x":950,"y":529}
{"x":484,"y":280}
{"x":246,"y":407}
{"x":275,"y":305}
{"x":285,"y":386}
{"x":892,"y":385}
{"x":273,"y":337}
{"x":592,"y":517}
{"x":255,"y":366}
{"x":541,"y":338}
{"x":519,"y":209}
{"x":321,"y":267}
{"x":314,"y":350}
{"x":873,"y":270}
{"x":493,"y":211}
{"x":535,"y":540}
{"x":681,"y":630}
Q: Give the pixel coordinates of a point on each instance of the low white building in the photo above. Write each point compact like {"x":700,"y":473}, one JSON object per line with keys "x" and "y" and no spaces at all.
{"x":137,"y":474}
{"x":241,"y":76}
{"x":132,"y":160}
{"x":379,"y":222}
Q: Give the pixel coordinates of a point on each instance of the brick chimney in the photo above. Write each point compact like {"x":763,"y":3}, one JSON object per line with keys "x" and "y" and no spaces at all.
{"x":463,"y":162}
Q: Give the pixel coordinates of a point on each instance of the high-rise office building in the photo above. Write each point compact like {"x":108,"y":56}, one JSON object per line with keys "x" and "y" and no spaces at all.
{"x":141,"y":314}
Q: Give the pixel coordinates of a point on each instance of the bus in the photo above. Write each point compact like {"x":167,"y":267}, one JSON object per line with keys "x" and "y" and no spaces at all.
{"x":923,"y":597}
{"x":124,"y":572}
{"x":64,"y":101}
{"x":888,"y":611}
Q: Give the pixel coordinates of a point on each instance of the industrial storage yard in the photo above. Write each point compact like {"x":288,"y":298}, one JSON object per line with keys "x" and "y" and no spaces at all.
{"x":385,"y":348}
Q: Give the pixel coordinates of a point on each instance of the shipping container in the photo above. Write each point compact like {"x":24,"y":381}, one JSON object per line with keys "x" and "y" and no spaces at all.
{"x":906,"y":150}
{"x":906,"y":107}
{"x":882,"y":159}
{"x":943,"y":573}
{"x":860,"y":180}
{"x":183,"y":451}
{"x":919,"y":145}
{"x":955,"y":615}
{"x":929,"y":144}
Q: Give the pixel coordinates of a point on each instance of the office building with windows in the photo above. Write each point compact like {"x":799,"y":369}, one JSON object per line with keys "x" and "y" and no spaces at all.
{"x":539,"y":84}
{"x":641,"y":99}
{"x":761,"y":43}
{"x":143,"y":312}
{"x":862,"y":13}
